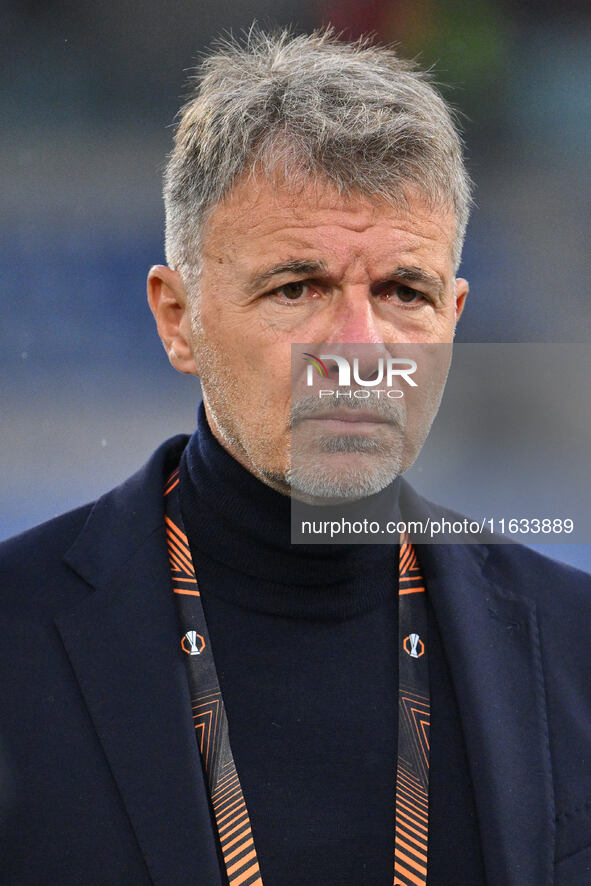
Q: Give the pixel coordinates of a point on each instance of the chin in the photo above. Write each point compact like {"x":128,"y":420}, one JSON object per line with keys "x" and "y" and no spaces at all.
{"x":344,"y":478}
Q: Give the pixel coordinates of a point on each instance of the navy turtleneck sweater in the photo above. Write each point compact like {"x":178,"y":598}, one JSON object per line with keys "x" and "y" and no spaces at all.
{"x":305,"y":644}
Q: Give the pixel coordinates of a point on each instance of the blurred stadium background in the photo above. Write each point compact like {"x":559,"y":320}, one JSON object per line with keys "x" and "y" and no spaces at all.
{"x":90,"y":92}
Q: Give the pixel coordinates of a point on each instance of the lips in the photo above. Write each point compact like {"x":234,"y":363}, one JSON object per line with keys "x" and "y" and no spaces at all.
{"x":348,"y":416}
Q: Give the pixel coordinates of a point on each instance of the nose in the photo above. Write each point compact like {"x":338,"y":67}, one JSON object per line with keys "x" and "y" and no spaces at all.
{"x":352,"y":324}
{"x":354,"y":319}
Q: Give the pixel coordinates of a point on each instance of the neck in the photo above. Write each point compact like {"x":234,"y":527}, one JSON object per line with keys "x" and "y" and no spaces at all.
{"x":243,"y":525}
{"x":234,"y":447}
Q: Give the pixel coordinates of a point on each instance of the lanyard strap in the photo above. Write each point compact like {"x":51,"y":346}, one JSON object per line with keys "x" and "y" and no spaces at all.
{"x":211,"y":724}
{"x":412,"y":771}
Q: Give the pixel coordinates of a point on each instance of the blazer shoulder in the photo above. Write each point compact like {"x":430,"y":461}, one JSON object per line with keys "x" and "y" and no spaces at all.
{"x":56,"y":532}
{"x":40,"y":568}
{"x":561,"y":594}
{"x":535,"y":575}
{"x":519,"y":569}
{"x":32,"y":569}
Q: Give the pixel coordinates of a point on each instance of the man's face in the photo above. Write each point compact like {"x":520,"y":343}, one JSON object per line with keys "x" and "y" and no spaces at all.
{"x":282,"y":267}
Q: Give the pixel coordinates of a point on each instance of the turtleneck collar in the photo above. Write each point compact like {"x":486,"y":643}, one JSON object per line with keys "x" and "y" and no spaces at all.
{"x":238,"y":521}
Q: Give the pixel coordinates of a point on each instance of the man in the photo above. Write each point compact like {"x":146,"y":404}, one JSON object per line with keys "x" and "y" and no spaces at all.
{"x":316,"y":194}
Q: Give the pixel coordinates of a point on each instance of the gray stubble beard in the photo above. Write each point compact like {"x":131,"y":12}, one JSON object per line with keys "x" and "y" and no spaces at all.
{"x":311,"y":479}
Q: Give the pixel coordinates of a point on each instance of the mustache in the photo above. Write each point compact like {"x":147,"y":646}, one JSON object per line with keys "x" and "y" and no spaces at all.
{"x":386,"y":410}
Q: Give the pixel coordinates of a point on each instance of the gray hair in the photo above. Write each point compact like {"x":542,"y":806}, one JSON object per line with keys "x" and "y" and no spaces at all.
{"x":354,"y":114}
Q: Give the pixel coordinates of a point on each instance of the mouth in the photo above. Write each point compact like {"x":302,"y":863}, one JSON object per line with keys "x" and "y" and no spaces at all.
{"x":342,"y":417}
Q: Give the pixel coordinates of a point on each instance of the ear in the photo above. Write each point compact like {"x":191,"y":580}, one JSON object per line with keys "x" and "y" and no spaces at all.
{"x":462,"y":289}
{"x":168,"y":302}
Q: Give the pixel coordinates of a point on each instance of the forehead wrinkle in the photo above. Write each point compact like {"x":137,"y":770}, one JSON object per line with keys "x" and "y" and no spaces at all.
{"x":256,"y":202}
{"x":344,"y":262}
{"x":407,"y":235}
{"x":288,"y":218}
{"x":343,"y":236}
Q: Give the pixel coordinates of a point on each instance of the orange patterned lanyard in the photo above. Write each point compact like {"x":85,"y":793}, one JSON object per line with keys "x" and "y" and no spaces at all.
{"x":211,"y":724}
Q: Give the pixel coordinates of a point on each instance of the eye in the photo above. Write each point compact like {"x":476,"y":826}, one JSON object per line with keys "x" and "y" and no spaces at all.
{"x":404,"y":294}
{"x":293,"y":291}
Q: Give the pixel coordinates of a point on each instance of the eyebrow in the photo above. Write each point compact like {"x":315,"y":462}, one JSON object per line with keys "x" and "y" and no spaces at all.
{"x":417,"y":275}
{"x":307,"y":268}
{"x":300,"y":268}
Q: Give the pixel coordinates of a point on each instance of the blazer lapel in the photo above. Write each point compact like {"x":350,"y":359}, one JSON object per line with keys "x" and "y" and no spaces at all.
{"x":123,"y":643}
{"x":492,"y":644}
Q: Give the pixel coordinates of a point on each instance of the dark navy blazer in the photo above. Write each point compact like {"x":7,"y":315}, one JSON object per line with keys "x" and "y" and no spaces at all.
{"x":100,"y":778}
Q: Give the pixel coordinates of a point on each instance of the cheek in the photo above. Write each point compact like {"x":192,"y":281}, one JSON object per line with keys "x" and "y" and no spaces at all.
{"x":275,"y":399}
{"x":237,"y":353}
{"x":445,"y":322}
